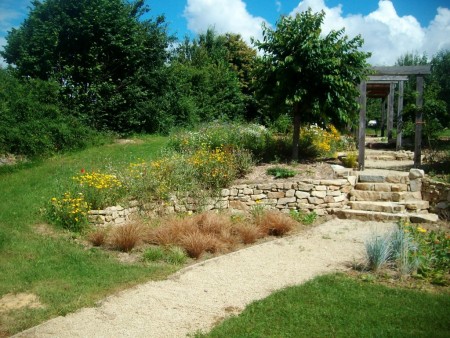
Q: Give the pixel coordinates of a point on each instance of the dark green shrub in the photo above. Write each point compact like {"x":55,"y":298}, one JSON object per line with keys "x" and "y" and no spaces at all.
{"x":280,"y":172}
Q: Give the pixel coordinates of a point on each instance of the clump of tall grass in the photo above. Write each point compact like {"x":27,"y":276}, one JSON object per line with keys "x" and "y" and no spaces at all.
{"x":126,"y":237}
{"x":378,"y":251}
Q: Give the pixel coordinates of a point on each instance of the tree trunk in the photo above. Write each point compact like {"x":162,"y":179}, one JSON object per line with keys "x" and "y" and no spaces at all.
{"x":296,"y":135}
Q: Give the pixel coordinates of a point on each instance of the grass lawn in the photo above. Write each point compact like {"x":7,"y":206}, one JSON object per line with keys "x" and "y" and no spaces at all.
{"x":64,"y":275}
{"x":338,"y":306}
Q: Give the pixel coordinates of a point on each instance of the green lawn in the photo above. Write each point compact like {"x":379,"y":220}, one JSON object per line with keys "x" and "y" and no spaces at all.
{"x":63,"y":274}
{"x":337,"y":306}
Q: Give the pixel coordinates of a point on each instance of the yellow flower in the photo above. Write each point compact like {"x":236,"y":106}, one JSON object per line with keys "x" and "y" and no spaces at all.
{"x":422,"y":230}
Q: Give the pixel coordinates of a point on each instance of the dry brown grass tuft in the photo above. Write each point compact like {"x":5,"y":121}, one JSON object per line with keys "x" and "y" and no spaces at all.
{"x":275,"y":223}
{"x":126,"y":237}
{"x":98,"y":237}
{"x":248,"y":233}
{"x":170,"y":231}
{"x":197,"y":242}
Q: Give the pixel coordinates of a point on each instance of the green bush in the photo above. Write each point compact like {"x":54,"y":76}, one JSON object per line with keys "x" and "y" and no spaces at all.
{"x":33,"y":122}
{"x":280,"y":172}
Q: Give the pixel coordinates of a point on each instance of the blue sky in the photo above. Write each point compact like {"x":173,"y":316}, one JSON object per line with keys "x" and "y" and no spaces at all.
{"x":389,"y":28}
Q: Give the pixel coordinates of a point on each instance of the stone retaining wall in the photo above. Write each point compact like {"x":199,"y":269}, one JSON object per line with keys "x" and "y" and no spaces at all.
{"x":320,"y":196}
{"x":438,"y":194}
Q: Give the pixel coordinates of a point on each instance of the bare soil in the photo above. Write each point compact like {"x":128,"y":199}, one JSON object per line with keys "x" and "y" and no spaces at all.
{"x":313,"y":171}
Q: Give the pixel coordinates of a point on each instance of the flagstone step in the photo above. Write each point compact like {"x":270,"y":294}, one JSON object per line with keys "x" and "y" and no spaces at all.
{"x":386,"y":187}
{"x":374,"y":178}
{"x":385,"y":216}
{"x":410,"y":206}
{"x":360,"y":195}
{"x":390,"y":207}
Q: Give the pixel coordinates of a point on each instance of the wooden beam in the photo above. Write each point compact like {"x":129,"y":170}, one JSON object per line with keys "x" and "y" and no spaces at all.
{"x":390,"y":112}
{"x":362,"y":125}
{"x":419,"y":122}
{"x":383,"y":116}
{"x":386,"y":78}
{"x":400,"y":116}
{"x":402,"y":70}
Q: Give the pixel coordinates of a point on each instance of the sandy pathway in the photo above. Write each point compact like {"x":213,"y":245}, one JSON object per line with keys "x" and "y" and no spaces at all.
{"x":197,"y":297}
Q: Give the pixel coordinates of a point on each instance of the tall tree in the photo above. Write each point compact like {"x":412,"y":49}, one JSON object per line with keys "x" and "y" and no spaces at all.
{"x":313,"y":75}
{"x":440,"y":74}
{"x":100,"y":51}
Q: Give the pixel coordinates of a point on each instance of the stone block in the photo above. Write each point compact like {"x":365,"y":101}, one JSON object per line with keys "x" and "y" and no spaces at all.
{"x":287,"y":186}
{"x":338,"y":199}
{"x":233,"y":192}
{"x":290,"y":193}
{"x":320,"y":194}
{"x":248,"y":191}
{"x":264,"y":186}
{"x":301,"y":194}
{"x":328,"y":199}
{"x":382,"y":187}
{"x":415,"y":185}
{"x":311,"y":200}
{"x":238,"y":205}
{"x":305,"y":187}
{"x":286,"y":200}
{"x":221,"y":205}
{"x":352,"y":180}
{"x":119,"y":220}
{"x":371,"y":178}
{"x":278,"y":194}
{"x":258,"y":197}
{"x":225,"y":192}
{"x":416,"y":173}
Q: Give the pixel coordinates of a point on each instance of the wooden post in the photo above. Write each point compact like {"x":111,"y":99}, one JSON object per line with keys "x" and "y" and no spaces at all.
{"x":390,"y":111}
{"x":362,"y":125}
{"x":400,"y":116}
{"x":419,"y":122}
{"x":383,"y":114}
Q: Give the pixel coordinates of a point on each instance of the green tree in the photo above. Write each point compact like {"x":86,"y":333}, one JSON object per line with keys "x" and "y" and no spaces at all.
{"x":434,"y":108}
{"x":440,"y":74}
{"x":32,"y":121}
{"x":105,"y":58}
{"x":312,"y":75}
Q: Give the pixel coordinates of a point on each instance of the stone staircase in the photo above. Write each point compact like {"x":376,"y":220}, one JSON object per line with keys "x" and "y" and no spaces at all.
{"x":386,"y":195}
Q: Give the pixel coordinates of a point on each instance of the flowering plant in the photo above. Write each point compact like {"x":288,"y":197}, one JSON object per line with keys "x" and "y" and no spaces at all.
{"x":70,"y":211}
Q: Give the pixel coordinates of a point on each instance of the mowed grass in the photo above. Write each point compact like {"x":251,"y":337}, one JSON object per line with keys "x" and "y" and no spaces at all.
{"x":63,"y":274}
{"x":338,"y":306}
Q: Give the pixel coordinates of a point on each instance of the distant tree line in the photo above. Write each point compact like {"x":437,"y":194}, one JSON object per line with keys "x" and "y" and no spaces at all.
{"x":80,"y":67}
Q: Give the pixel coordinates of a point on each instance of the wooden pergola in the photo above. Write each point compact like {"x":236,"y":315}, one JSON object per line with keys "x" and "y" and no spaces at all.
{"x":382,"y":85}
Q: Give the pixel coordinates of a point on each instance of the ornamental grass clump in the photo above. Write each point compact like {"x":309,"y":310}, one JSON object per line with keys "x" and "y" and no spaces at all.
{"x":99,"y":190}
{"x":69,"y":211}
{"x":378,"y":251}
{"x":126,"y":237}
{"x":275,"y":223}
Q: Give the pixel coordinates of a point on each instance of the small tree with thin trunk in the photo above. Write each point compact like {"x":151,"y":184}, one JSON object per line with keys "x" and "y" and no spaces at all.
{"x":315,"y":76}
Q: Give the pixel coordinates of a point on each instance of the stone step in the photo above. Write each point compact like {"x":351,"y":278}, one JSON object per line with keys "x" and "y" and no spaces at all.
{"x":390,"y":207}
{"x":360,"y":195}
{"x":385,"y":216}
{"x":415,"y":205}
{"x":386,"y":187}
{"x":373,"y":178}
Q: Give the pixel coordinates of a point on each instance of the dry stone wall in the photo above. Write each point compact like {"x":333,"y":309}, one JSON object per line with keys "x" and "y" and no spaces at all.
{"x":438,"y":194}
{"x":320,"y":196}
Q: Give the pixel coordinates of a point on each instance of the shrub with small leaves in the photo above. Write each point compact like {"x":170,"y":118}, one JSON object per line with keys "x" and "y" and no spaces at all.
{"x":280,"y":172}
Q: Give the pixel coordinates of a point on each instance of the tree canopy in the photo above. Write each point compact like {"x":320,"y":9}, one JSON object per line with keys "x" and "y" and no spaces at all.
{"x":311,"y":74}
{"x":100,"y":51}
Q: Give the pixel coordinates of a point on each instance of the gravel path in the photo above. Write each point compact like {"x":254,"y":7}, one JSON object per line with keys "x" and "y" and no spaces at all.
{"x":199,"y":296}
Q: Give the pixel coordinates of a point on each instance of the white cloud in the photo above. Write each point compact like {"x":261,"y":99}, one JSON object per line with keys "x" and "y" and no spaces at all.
{"x":386,"y":34}
{"x":225,"y":16}
{"x":278,"y":5}
{"x":438,"y":32}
